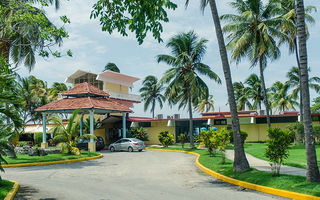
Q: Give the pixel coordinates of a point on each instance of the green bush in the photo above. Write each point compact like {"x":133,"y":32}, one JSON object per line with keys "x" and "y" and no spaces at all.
{"x":183,"y":138}
{"x":297,"y":131}
{"x":139,"y":133}
{"x":196,"y":138}
{"x":166,"y":138}
{"x":37,"y":138}
{"x":316,"y":133}
{"x":244,"y":135}
{"x":278,"y":148}
{"x":205,"y":140}
{"x":22,"y":143}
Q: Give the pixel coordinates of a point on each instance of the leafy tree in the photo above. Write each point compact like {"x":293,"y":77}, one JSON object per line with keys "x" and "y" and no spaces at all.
{"x":140,"y":18}
{"x":165,"y":138}
{"x":252,"y":33}
{"x":316,"y":106}
{"x":241,"y":93}
{"x":297,"y":129}
{"x":255,"y":91}
{"x":277,"y":148}
{"x":151,"y":93}
{"x":25,"y":30}
{"x":220,"y":139}
{"x":183,"y":138}
{"x":206,"y":104}
{"x":313,"y":174}
{"x":185,"y":86}
{"x":280,"y":99}
{"x":112,"y":67}
{"x":56,"y":89}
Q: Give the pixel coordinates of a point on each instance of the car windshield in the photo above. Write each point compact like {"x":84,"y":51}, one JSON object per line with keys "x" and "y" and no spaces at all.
{"x":135,"y":140}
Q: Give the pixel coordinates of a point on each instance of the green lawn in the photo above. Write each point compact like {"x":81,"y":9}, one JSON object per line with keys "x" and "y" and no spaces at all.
{"x":297,"y":154}
{"x":285,"y":182}
{"x":22,"y":158}
{"x":5,"y":187}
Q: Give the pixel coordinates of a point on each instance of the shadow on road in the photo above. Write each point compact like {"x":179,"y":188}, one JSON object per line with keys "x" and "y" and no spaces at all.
{"x":28,"y":193}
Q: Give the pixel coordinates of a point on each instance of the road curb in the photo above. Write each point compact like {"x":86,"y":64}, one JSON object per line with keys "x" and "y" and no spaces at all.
{"x":13,"y":191}
{"x":260,"y":188}
{"x":52,"y":162}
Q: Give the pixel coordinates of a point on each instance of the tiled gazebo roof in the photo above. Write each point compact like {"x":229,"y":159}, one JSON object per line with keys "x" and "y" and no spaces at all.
{"x":85,"y":89}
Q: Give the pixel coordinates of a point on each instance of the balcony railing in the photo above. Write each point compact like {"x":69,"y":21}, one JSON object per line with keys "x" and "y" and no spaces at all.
{"x":124,"y":96}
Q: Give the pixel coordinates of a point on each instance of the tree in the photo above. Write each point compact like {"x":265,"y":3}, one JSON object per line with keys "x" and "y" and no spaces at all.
{"x":25,"y":30}
{"x":280,"y":99}
{"x":241,"y":93}
{"x":240,"y":163}
{"x":312,"y":165}
{"x":111,"y":67}
{"x":294,"y":81}
{"x":206,"y":104}
{"x":252,"y":34}
{"x":56,"y":89}
{"x":316,"y":106}
{"x":185,"y":87}
{"x":288,"y":25}
{"x":151,"y":93}
{"x":255,"y":91}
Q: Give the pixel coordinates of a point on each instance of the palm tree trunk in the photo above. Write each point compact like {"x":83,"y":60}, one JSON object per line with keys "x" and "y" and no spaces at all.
{"x":298,"y":63}
{"x":240,"y":163}
{"x":153,"y":107}
{"x":312,"y":165}
{"x":190,"y":122}
{"x":264,"y":92}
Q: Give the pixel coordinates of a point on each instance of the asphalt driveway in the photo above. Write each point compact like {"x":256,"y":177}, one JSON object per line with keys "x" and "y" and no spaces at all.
{"x":122,"y":175}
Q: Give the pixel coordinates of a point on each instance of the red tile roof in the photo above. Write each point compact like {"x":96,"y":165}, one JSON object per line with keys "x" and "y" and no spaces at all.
{"x":83,"y":89}
{"x":85,"y":103}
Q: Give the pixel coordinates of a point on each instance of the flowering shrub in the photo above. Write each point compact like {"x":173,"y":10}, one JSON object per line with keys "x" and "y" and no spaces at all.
{"x":166,"y":138}
{"x":139,"y":133}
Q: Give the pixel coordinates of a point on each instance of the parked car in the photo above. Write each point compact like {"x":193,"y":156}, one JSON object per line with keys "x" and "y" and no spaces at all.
{"x":83,"y":144}
{"x":127,"y":144}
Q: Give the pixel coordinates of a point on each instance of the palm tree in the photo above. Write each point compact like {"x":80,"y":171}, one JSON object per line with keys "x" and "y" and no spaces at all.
{"x":206,"y":104}
{"x":151,"y":93}
{"x":240,"y":163}
{"x":111,"y":67}
{"x":56,"y":89}
{"x":255,"y":91}
{"x":312,"y":165}
{"x":280,"y":99}
{"x":241,"y":93}
{"x":294,"y":81}
{"x":252,"y":34}
{"x":287,"y":10}
{"x":185,"y":86}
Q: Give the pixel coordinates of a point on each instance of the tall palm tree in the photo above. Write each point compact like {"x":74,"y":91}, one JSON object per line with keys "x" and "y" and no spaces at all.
{"x":281,"y":100}
{"x":288,"y":25}
{"x":255,"y":91}
{"x":240,"y":163}
{"x":112,"y":67}
{"x":312,"y":165}
{"x":206,"y":104}
{"x":56,"y":89}
{"x":151,"y":93}
{"x":252,"y":34}
{"x":294,"y":81}
{"x":242,"y":95}
{"x":185,"y":86}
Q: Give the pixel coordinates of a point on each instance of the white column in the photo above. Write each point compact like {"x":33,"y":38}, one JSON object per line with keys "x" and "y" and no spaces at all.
{"x":124,"y":135}
{"x":44,"y":126}
{"x":91,"y":125}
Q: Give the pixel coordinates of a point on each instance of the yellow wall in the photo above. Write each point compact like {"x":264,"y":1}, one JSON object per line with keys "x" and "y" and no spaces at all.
{"x":156,"y":128}
{"x":100,"y":132}
{"x":116,"y":87}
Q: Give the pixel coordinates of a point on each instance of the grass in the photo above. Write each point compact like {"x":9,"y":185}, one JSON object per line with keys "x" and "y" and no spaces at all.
{"x":297,"y":154}
{"x":5,"y":187}
{"x":284,"y":182}
{"x":23,"y":158}
{"x":186,"y":145}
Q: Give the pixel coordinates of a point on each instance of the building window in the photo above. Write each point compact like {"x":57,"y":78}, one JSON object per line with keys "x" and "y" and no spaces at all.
{"x":220,"y":122}
{"x":90,"y":78}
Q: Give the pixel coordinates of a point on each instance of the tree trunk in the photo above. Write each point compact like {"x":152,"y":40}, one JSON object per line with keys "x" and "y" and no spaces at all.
{"x":190,"y":123}
{"x":264,"y":92}
{"x":153,"y":107}
{"x":312,"y":165}
{"x":298,"y":63}
{"x":240,"y":163}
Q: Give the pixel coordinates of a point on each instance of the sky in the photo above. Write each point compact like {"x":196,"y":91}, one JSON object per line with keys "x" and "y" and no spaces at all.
{"x":93,"y":49}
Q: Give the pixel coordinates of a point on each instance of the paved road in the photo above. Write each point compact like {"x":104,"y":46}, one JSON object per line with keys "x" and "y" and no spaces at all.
{"x":123,"y":175}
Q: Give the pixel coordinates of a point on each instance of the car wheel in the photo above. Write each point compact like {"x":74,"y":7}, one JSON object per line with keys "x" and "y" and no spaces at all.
{"x":130,"y":149}
{"x":112,"y":149}
{"x":140,"y":150}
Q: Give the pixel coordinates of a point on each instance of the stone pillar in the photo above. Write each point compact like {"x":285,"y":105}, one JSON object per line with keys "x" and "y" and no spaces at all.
{"x":92,"y":143}
{"x":124,"y":127}
{"x":44,"y":143}
{"x":81,"y":125}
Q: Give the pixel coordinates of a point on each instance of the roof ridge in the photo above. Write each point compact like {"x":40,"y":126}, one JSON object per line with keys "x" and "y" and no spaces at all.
{"x":88,"y":89}
{"x":90,"y":102}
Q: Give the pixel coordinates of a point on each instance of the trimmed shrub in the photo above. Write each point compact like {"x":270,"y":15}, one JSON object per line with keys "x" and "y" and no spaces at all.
{"x":22,"y":143}
{"x":183,"y":138}
{"x":244,"y":135}
{"x":37,"y":138}
{"x":297,"y":131}
{"x":278,"y":148}
{"x":139,"y":133}
{"x":165,"y":138}
{"x":220,"y":140}
{"x":316,"y":133}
